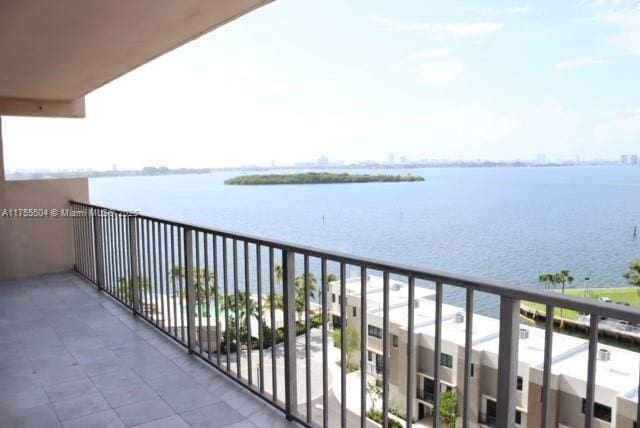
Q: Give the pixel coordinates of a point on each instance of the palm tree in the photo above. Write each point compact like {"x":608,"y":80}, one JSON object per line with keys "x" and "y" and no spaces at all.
{"x":244,"y":301}
{"x":564,"y":277}
{"x":548,"y":279}
{"x":301,"y":290}
{"x":633,"y":274}
{"x":279,"y":274}
{"x":203,"y":283}
{"x":125,"y":288}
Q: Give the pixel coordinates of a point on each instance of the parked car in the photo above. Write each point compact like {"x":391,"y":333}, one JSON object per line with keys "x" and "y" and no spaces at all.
{"x":604,"y":299}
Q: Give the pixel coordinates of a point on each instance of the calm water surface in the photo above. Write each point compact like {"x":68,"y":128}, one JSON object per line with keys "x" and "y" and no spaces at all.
{"x":509,"y":224}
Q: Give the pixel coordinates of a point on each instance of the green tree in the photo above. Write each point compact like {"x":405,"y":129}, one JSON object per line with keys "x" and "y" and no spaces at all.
{"x":244,"y":301}
{"x":548,"y":279}
{"x":374,"y":391}
{"x":301,"y":291}
{"x":125,"y":288}
{"x":448,"y":408}
{"x":353,"y":341}
{"x":633,"y":274}
{"x":564,"y":277}
{"x":203,"y":283}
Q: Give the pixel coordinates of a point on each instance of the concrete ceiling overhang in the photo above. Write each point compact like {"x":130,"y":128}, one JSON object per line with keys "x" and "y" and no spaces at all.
{"x":54,"y":52}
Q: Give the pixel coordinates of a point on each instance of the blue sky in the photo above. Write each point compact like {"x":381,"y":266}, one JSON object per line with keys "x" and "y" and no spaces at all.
{"x":355,"y":80}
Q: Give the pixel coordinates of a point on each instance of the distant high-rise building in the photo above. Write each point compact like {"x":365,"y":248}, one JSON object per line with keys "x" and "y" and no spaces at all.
{"x":541,"y":159}
{"x":114,"y":167}
{"x":624,"y":159}
{"x":390,"y":158}
{"x":633,"y":159}
{"x":273,"y":163}
{"x":323,"y":161}
{"x":403,"y":159}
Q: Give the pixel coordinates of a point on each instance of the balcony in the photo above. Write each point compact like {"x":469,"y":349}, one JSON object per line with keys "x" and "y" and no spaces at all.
{"x":181,"y":325}
{"x":74,"y":357}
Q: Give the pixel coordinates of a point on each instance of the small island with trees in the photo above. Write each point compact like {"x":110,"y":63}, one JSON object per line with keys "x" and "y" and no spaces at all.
{"x":319,"y":178}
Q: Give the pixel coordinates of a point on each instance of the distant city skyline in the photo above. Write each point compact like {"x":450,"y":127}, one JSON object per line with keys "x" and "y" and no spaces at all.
{"x":292,"y":82}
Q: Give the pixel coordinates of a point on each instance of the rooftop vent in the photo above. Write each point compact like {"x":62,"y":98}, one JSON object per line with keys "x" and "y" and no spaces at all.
{"x":604,"y":354}
{"x":459,"y":317}
{"x":368,"y":278}
{"x":395,"y":286}
{"x":524,"y":333}
{"x":417,"y":304}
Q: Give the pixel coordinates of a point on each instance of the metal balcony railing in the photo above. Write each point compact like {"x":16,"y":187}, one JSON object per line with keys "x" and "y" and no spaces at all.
{"x":488,"y":420}
{"x":425,"y":395}
{"x":194,"y":283}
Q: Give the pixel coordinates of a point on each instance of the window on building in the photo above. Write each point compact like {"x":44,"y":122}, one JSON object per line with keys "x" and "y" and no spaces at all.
{"x":333,"y":297}
{"x":472,"y":369}
{"x":340,"y":299}
{"x":355,"y":312}
{"x":519,"y":383}
{"x":375,"y":331}
{"x":337,"y":321}
{"x":600,"y":411}
{"x":446,"y":360}
{"x":518,"y":417}
{"x":395,"y":341}
{"x":369,"y":356}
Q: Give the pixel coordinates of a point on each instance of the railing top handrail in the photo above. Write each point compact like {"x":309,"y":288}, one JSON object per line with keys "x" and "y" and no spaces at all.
{"x":487,"y":286}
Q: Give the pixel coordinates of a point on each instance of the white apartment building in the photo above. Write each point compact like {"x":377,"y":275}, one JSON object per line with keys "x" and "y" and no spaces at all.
{"x":617,"y":369}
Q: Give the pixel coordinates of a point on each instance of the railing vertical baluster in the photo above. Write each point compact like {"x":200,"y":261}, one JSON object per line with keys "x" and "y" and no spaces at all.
{"x":468,"y":345}
{"x":166,"y":306}
{"x":307,"y":336}
{"x":216,"y":297}
{"x":191,"y":303}
{"x":260,"y":318}
{"x":118,"y":242}
{"x":272,"y":295}
{"x":97,"y":228}
{"x":154,"y":264}
{"x":325,"y":344}
{"x":290,"y":364}
{"x":508,"y":361}
{"x":174,"y":294}
{"x":437,"y":355}
{"x":343,"y":345}
{"x":121,"y":256}
{"x":227,"y":338}
{"x":198,"y":290}
{"x":236,"y":319}
{"x":247,"y":301}
{"x":135,"y":275}
{"x":638,"y":402}
{"x":181,"y":281}
{"x":411,"y":350}
{"x":591,"y":370}
{"x":363,"y":346}
{"x":385,"y":349}
{"x":112,"y":256}
{"x":546,"y":374}
{"x":148,"y":276}
{"x":207,"y":293}
{"x":75,"y":238}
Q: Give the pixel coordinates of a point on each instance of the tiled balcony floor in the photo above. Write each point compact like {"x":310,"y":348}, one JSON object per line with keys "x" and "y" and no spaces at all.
{"x":71,"y":356}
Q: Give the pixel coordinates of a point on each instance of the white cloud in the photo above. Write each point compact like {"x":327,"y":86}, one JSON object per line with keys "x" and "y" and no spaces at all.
{"x":580,"y":62}
{"x":526,"y":9}
{"x":627,"y":22}
{"x":440,"y":30}
{"x":436,"y":72}
{"x":431,"y":54}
